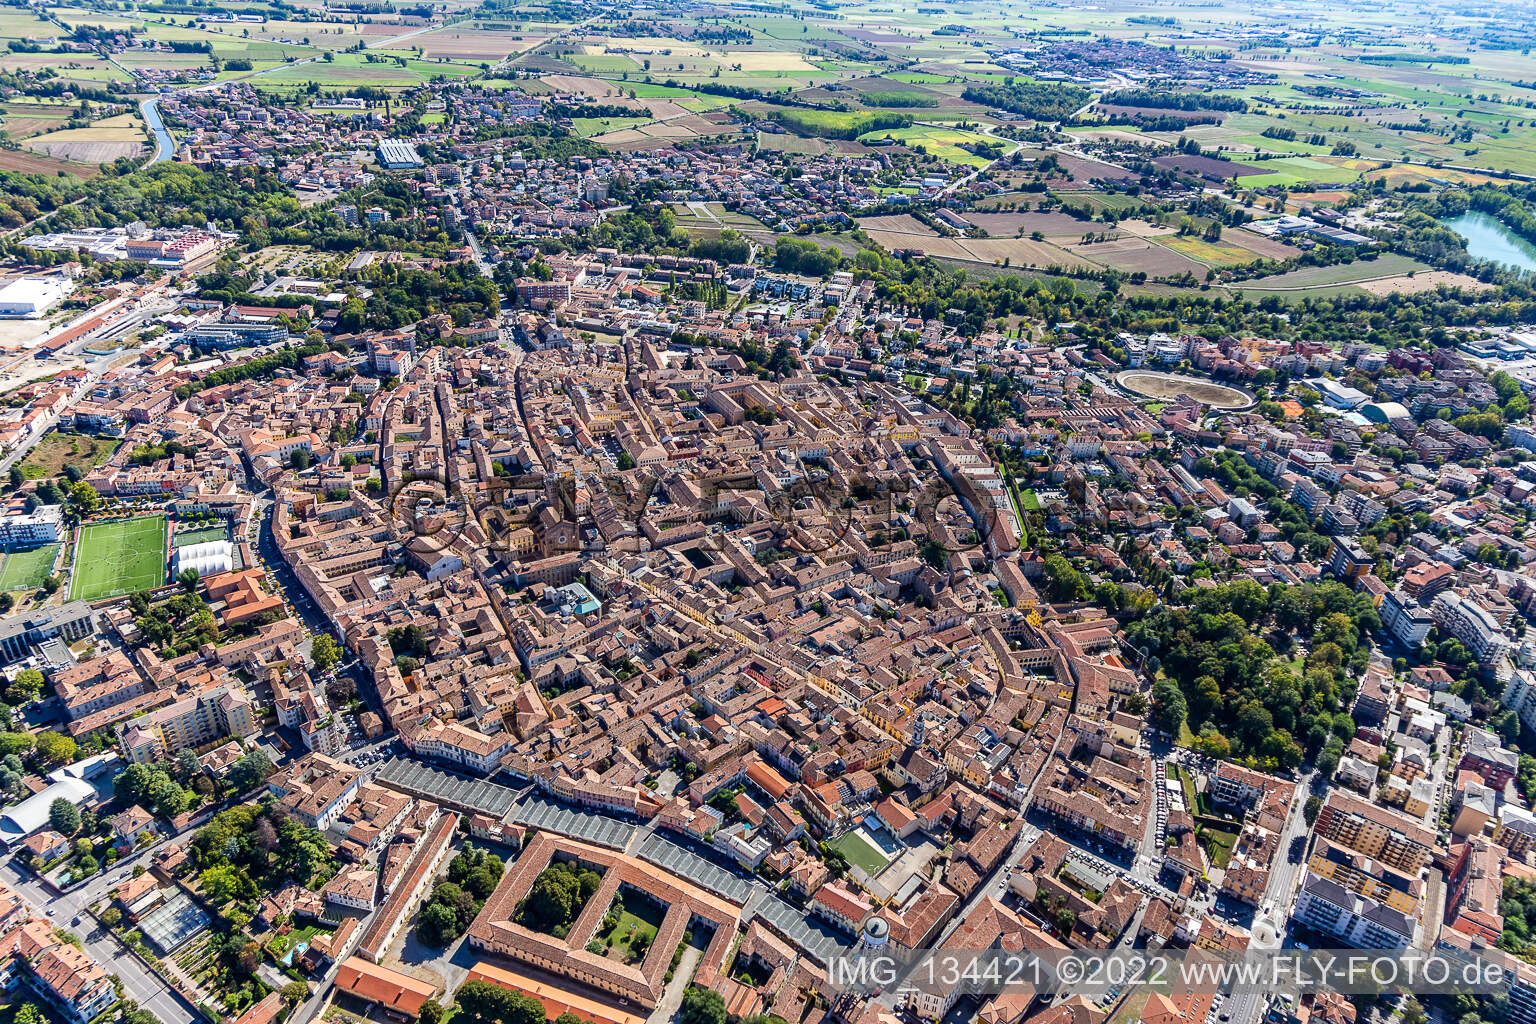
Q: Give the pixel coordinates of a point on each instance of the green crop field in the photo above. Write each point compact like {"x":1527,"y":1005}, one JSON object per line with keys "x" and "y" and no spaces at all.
{"x":119,"y":558}
{"x":943,"y":143}
{"x":586,"y":127}
{"x":26,"y":570}
{"x":1388,"y":265}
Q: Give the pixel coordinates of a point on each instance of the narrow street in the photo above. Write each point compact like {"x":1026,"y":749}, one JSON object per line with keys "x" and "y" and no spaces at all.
{"x":139,"y":983}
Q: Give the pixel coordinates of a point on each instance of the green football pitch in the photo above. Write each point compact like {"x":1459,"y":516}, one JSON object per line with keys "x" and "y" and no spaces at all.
{"x":119,"y":558}
{"x":26,"y":570}
{"x":861,"y":851}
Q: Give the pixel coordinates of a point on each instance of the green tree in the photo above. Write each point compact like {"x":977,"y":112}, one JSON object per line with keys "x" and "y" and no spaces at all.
{"x":325,"y":652}
{"x":56,"y":748}
{"x":221,"y":884}
{"x":1169,"y":709}
{"x":701,"y":1006}
{"x":1328,"y":759}
{"x":18,"y":743}
{"x":84,"y":498}
{"x":26,"y":688}
{"x":250,"y":771}
{"x":437,"y":925}
{"x":1062,"y":579}
{"x":64,"y":817}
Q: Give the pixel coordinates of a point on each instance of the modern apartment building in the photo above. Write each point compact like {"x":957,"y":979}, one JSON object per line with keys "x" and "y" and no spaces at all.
{"x":1394,"y":839}
{"x":193,"y":721}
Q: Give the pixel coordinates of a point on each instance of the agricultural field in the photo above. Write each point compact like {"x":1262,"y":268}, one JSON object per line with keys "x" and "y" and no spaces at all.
{"x":1308,"y":278}
{"x":103,"y":142}
{"x":368,"y":69}
{"x":1259,"y":245}
{"x":33,"y":163}
{"x":473,"y":45}
{"x":944,"y":143}
{"x":1425,"y":281}
{"x":1049,"y":224}
{"x":772,"y":66}
{"x":904,"y":231}
{"x":1138,"y":255}
{"x":117,"y":558}
{"x":1214,"y":254}
{"x":785,"y":143}
{"x":24,"y":120}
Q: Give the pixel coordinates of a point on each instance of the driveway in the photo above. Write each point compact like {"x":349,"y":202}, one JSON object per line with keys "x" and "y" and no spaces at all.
{"x":672,"y":998}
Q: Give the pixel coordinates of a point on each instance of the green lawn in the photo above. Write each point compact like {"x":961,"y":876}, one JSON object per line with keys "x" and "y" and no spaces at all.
{"x":1218,"y":845}
{"x":119,"y":558}
{"x":943,"y":143}
{"x":1021,"y":514}
{"x":602,"y":62}
{"x":631,"y":934}
{"x":860,"y":851}
{"x":586,"y":127}
{"x":1190,"y":800}
{"x":26,"y":570}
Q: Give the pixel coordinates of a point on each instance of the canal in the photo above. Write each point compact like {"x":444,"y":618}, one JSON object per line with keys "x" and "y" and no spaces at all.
{"x":165,"y":146}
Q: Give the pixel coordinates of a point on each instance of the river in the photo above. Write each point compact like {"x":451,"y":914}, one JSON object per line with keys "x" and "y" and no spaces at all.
{"x":165,"y":146}
{"x":1488,"y":239}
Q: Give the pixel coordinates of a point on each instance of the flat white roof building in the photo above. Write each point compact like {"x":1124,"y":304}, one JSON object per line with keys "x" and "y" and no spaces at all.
{"x":20,"y":528}
{"x":32,"y":296}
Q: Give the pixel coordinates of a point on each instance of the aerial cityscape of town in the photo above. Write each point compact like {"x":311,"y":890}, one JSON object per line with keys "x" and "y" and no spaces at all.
{"x":562,"y":512}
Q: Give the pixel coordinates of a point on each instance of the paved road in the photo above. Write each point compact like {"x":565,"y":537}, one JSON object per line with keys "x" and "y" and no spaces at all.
{"x":962,"y":182}
{"x":1269,"y":926}
{"x":20,"y":452}
{"x":139,"y":983}
{"x":1026,"y":838}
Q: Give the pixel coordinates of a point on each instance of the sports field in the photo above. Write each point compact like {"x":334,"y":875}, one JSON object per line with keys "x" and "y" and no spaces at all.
{"x":26,"y":570}
{"x":119,"y":558}
{"x":860,"y":851}
{"x":185,"y":537}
